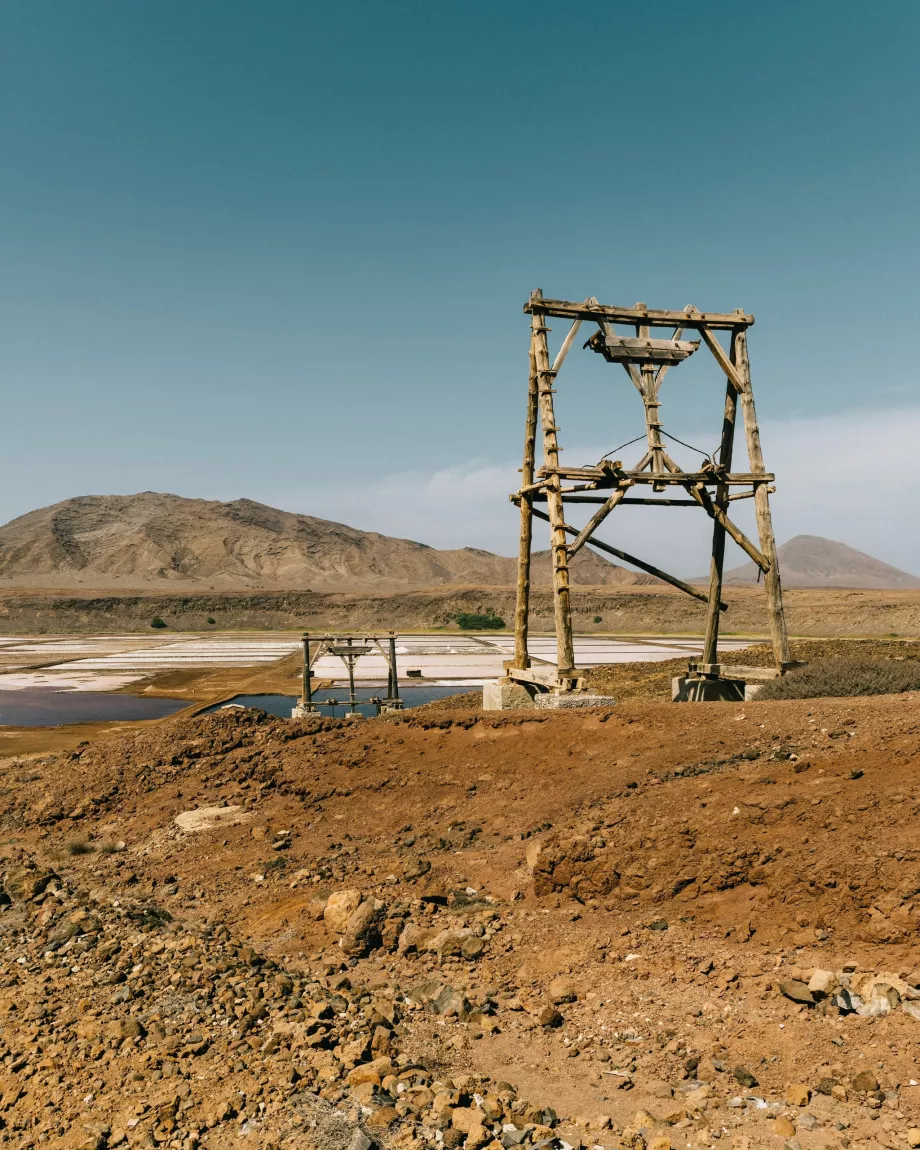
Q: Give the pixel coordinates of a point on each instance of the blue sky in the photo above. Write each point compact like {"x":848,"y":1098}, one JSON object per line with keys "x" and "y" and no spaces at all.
{"x":280,"y":249}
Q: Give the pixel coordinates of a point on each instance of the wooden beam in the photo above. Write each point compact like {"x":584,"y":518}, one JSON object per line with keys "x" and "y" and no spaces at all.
{"x":565,"y":309}
{"x":674,"y":477}
{"x":569,"y":340}
{"x":596,"y":520}
{"x":628,"y":501}
{"x":562,"y":607}
{"x":717,"y":555}
{"x":716,"y":513}
{"x":525,"y":543}
{"x":772,"y":581}
{"x":722,"y":359}
{"x":688,"y":588}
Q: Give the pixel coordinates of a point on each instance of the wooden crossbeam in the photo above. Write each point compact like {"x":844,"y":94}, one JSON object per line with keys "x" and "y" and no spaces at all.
{"x":673,"y":477}
{"x":565,"y":309}
{"x":541,"y":498}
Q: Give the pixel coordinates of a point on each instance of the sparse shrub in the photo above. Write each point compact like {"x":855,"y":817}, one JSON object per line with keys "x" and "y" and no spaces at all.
{"x":468,"y":621}
{"x":210,"y":620}
{"x":843,"y":677}
{"x":597,"y":619}
{"x":157,"y":623}
{"x":108,"y":849}
{"x":78,"y":847}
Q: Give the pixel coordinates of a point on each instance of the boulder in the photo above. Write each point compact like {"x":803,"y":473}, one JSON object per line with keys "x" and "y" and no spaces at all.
{"x":23,"y":883}
{"x":362,"y":930}
{"x":561,"y":989}
{"x":339,"y":908}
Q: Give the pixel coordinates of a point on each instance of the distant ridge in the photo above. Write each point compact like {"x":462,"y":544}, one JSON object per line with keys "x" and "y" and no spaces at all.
{"x":810,"y":561}
{"x":152,"y":540}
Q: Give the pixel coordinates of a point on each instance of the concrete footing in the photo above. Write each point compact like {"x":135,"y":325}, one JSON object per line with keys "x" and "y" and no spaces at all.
{"x":684,"y":690}
{"x":507,"y":695}
{"x":301,"y":710}
{"x":568,"y":701}
{"x":510,"y":695}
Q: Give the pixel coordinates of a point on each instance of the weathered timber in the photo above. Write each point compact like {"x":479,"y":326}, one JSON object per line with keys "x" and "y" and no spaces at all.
{"x":596,"y":520}
{"x":688,"y":588}
{"x":731,"y":372}
{"x":716,"y":513}
{"x":646,"y":362}
{"x":562,"y":607}
{"x":522,"y":608}
{"x":717,"y":557}
{"x":628,"y":500}
{"x":674,"y":477}
{"x":772,"y":579}
{"x":620,"y":349}
{"x":564,"y":309}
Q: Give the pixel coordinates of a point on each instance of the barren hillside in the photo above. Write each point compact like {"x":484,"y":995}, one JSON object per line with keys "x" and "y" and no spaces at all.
{"x":810,"y":561}
{"x":154,"y":540}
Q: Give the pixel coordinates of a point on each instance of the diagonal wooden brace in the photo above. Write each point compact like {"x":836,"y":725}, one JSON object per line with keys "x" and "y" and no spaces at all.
{"x":722,"y":359}
{"x":641,"y":564}
{"x":702,"y":496}
{"x":596,"y":520}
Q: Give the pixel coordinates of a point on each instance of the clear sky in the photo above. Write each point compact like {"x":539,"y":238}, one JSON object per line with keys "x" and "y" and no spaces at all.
{"x":280,"y":249}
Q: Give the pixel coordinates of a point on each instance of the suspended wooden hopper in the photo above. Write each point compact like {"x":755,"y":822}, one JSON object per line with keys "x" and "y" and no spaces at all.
{"x":620,"y":349}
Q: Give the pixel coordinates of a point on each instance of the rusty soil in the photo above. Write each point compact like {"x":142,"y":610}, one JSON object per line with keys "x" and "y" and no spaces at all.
{"x":651,"y":892}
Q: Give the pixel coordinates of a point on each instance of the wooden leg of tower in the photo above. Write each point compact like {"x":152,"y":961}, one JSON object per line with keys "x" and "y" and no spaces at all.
{"x":522,"y":609}
{"x":562,"y":606}
{"x":711,"y":646}
{"x":762,"y":509}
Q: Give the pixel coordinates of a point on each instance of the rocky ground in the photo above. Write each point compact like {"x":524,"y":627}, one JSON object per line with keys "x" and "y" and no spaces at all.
{"x":660,"y":926}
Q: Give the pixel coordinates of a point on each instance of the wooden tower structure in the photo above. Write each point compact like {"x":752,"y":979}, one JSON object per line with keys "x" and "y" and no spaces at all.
{"x":608,"y":484}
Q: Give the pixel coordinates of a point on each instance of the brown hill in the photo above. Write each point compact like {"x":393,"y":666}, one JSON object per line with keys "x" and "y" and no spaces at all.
{"x":810,"y":561}
{"x":152,"y":540}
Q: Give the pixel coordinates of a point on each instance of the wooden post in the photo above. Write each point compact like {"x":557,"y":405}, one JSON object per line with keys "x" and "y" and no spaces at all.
{"x":762,"y":506}
{"x":717,"y":561}
{"x":562,"y":606}
{"x":522,"y":608}
{"x":395,"y":700}
{"x":306,"y":688}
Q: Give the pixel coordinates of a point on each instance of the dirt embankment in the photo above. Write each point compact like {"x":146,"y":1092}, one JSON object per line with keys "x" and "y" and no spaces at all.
{"x":649,"y":611}
{"x":614,"y":916}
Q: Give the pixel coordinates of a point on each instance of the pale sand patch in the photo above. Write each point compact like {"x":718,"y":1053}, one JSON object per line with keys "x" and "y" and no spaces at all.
{"x":209,"y":818}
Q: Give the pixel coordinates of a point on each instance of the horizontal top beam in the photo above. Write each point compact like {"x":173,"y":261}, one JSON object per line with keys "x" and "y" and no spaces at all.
{"x":637,"y":315}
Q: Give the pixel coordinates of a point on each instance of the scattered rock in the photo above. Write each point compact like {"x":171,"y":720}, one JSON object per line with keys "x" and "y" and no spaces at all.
{"x":797,"y":1094}
{"x":340,"y":906}
{"x":561,"y":989}
{"x":797,"y":991}
{"x":865,"y":1081}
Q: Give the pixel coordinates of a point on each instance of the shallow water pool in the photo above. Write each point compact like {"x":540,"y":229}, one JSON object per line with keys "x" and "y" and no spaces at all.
{"x":43,"y":707}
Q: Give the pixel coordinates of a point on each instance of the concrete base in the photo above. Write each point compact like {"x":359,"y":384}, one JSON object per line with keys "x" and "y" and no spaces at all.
{"x":570,"y":702}
{"x":684,"y":690}
{"x":301,"y":710}
{"x":506,"y":695}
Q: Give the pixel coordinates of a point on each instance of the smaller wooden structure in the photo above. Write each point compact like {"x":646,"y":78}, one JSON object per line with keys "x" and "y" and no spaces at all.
{"x":608,"y":484}
{"x":349,"y":648}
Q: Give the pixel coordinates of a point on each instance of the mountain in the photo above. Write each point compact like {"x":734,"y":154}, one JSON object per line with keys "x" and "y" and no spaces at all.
{"x":150,"y":540}
{"x":810,"y":561}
